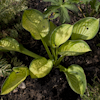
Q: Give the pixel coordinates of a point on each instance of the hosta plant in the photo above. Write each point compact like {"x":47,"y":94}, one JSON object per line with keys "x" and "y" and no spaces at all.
{"x":61,"y":41}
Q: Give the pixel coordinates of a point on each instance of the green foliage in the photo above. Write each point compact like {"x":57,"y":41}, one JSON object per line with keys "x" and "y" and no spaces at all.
{"x":85,"y":1}
{"x":60,"y":8}
{"x":72,"y":1}
{"x":5,"y":68}
{"x":40,"y":67}
{"x":9,"y":8}
{"x":16,"y":62}
{"x":17,"y":76}
{"x":84,"y":27}
{"x":39,"y":27}
{"x":92,"y":91}
{"x":95,"y":5}
{"x":11,"y":44}
{"x":35,"y":19}
{"x":57,"y":38}
{"x":75,"y":77}
{"x":73,"y":48}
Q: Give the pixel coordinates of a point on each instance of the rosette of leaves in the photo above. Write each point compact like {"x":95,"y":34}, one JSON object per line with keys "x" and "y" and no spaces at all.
{"x":64,"y":40}
{"x":59,"y":8}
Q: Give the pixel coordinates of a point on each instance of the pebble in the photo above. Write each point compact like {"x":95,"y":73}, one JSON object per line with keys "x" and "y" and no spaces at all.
{"x":22,"y":85}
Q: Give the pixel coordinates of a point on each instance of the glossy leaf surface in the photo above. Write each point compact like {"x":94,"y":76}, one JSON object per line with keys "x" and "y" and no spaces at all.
{"x":34,"y":22}
{"x":61,"y":34}
{"x":18,"y":75}
{"x":9,"y":44}
{"x":76,"y":78}
{"x":73,"y":48}
{"x":40,"y":67}
{"x":85,"y":28}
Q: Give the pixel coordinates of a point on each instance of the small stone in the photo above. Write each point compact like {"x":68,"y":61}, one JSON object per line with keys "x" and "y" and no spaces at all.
{"x":15,"y":90}
{"x":22,"y":85}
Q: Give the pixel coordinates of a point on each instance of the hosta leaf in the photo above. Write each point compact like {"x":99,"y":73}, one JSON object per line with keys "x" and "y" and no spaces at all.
{"x":40,"y":67}
{"x":85,"y":28}
{"x":48,"y":37}
{"x":34,"y":22}
{"x":9,"y":43}
{"x":73,"y":48}
{"x":61,"y":34}
{"x":18,"y":75}
{"x":76,"y":78}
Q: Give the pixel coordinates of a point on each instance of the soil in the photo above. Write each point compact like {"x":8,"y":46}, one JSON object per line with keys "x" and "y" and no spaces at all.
{"x":54,"y":86}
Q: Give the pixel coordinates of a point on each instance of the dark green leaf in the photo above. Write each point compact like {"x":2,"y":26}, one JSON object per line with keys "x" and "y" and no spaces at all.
{"x":52,"y":1}
{"x":95,"y":4}
{"x":72,"y":1}
{"x":70,"y":6}
{"x":85,"y":1}
{"x":64,"y":17}
{"x":51,"y":9}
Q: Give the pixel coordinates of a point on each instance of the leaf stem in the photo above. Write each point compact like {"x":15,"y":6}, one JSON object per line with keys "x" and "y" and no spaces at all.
{"x":53,"y":51}
{"x":58,"y":61}
{"x":29,"y":53}
{"x":47,"y":49}
{"x":56,"y":56}
{"x":81,"y":11}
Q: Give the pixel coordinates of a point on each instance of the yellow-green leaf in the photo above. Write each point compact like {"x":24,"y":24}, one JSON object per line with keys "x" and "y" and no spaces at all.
{"x":48,"y":37}
{"x":34,"y":22}
{"x":18,"y":75}
{"x":40,"y":67}
{"x":85,"y":28}
{"x":61,"y":34}
{"x":9,"y":43}
{"x":73,"y":48}
{"x":76,"y":78}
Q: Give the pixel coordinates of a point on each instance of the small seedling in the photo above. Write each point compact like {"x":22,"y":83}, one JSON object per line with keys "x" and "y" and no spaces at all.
{"x":60,"y":8}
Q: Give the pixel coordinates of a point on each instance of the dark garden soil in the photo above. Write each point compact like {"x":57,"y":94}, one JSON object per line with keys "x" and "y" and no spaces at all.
{"x":54,"y":86}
